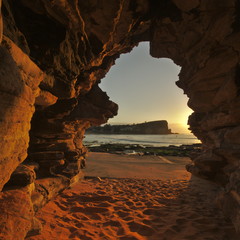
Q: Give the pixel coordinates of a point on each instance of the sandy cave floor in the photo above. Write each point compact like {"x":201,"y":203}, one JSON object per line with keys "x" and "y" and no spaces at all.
{"x":177,"y":208}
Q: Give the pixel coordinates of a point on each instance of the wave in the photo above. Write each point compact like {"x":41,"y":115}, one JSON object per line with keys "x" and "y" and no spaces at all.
{"x":154,"y":140}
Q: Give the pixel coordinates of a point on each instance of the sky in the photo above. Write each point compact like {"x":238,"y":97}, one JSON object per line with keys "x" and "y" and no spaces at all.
{"x":144,"y":89}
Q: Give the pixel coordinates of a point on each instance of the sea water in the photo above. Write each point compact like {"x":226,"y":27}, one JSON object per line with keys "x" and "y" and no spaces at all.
{"x":146,"y":140}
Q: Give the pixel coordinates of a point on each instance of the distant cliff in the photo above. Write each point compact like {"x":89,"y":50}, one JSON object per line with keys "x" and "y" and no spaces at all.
{"x":154,"y":127}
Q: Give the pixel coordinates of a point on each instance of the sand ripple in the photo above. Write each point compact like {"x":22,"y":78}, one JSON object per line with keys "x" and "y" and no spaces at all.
{"x":135,"y":209}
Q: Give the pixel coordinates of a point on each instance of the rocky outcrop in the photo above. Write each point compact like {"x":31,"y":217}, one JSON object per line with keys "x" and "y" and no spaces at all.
{"x":55,"y":53}
{"x":153,"y":127}
{"x":20,"y":78}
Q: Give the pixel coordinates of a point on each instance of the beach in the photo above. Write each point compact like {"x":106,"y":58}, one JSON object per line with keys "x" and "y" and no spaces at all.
{"x":136,"y":198}
{"x":135,"y":166}
{"x":156,"y":140}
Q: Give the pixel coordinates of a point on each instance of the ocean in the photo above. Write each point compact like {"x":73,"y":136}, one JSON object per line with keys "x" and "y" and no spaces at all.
{"x":146,"y":140}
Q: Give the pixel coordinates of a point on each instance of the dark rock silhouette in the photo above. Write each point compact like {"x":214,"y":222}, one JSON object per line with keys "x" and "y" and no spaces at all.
{"x":153,"y":127}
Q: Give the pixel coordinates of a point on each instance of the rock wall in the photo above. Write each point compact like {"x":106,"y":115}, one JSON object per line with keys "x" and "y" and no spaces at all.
{"x":55,"y":53}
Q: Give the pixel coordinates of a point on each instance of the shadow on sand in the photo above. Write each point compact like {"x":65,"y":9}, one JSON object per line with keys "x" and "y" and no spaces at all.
{"x":136,"y":209}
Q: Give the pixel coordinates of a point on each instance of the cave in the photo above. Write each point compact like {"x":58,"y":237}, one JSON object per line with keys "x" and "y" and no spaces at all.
{"x":53,"y":56}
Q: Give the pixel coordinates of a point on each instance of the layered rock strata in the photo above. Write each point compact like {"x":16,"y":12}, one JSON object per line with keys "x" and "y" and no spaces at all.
{"x":55,"y":53}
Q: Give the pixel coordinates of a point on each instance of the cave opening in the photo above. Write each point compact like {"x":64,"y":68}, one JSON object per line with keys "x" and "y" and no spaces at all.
{"x":145,"y":90}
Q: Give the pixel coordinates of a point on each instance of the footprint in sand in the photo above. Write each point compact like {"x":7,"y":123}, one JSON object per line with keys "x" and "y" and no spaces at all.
{"x":127,"y":219}
{"x":73,"y":229}
{"x":140,"y":228}
{"x":129,"y":203}
{"x":104,"y":204}
{"x":122,"y":214}
{"x":78,"y":225}
{"x":66,"y":219}
{"x":61,"y":206}
{"x":90,"y":210}
{"x":52,"y":226}
{"x":80,"y":216}
{"x":112,"y":223}
{"x":139,"y":203}
{"x":93,"y":212}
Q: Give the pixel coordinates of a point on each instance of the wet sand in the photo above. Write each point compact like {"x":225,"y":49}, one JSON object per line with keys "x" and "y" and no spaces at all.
{"x":175,"y":208}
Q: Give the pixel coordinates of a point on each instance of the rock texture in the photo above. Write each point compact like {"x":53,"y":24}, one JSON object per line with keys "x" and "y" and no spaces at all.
{"x":53,"y":56}
{"x":17,"y":214}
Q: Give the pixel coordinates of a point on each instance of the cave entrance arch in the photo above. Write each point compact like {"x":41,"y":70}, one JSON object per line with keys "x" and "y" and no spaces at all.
{"x":144,"y":89}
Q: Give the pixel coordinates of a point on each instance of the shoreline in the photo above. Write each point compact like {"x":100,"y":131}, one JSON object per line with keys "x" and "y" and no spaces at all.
{"x":184,"y":150}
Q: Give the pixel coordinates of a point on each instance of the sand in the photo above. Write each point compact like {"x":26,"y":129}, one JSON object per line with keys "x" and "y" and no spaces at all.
{"x":134,"y":166}
{"x":176,"y":208}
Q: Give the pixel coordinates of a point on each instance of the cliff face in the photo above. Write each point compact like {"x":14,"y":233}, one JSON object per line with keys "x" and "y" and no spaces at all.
{"x":53,"y":56}
{"x":153,"y":127}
